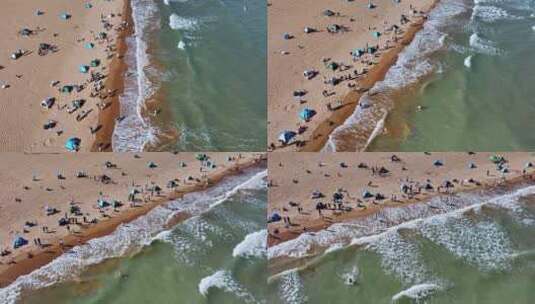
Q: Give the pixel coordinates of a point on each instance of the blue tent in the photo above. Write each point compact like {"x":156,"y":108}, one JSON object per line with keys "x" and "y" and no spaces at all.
{"x":275,"y":217}
{"x":65,"y":16}
{"x":89,"y":45}
{"x":286,"y":136}
{"x":19,"y":242}
{"x":84,"y":68}
{"x":307,"y":114}
{"x":73,"y":144}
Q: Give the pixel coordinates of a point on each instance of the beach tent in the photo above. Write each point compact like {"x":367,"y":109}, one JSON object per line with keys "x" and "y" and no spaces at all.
{"x":65,"y":16}
{"x":306,"y":114}
{"x":472,"y":166}
{"x":287,"y":36}
{"x":67,"y":89}
{"x":333,"y":28}
{"x":286,"y":136}
{"x":182,"y":164}
{"x":89,"y":45}
{"x":316,"y":194}
{"x":438,"y":163}
{"x":88,"y":5}
{"x":376,"y":34}
{"x":102,"y":203}
{"x":328,"y":13}
{"x":95,"y":63}
{"x":366,"y":194}
{"x":372,"y":49}
{"x":358,"y":52}
{"x":73,"y":144}
{"x":152,"y":165}
{"x":63,"y":221}
{"x":383,"y":170}
{"x":172,"y":184}
{"x":332,"y":65}
{"x":116,"y":204}
{"x":102,"y":35}
{"x":528,"y":165}
{"x":84,"y":68}
{"x":275,"y":217}
{"x":19,"y":242}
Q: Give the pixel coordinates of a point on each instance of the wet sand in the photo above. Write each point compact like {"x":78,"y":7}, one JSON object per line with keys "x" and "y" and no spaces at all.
{"x":294,"y":177}
{"x":307,"y":51}
{"x":68,"y":27}
{"x":31,"y":184}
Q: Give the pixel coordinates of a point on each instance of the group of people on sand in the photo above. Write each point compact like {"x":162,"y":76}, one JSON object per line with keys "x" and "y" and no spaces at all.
{"x":75,"y":219}
{"x":93,"y":93}
{"x":342,"y":201}
{"x":364,"y":57}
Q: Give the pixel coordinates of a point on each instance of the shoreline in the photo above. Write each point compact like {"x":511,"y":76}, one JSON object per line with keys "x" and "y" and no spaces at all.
{"x":103,"y":228}
{"x":319,"y":137}
{"x":319,"y":133}
{"x":353,"y":179}
{"x":283,"y":264}
{"x":118,"y":68}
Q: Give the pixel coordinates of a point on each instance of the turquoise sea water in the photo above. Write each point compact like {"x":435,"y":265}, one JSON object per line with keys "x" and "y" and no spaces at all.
{"x":215,"y":256}
{"x":464,"y":83}
{"x":204,"y":61}
{"x":483,"y":254}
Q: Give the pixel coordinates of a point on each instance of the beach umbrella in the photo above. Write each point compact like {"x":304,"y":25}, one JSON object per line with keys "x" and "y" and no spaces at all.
{"x":332,"y":65}
{"x":102,"y":203}
{"x":95,"y":63}
{"x":67,"y":89}
{"x":286,"y":136}
{"x":84,"y":68}
{"x":497,"y":159}
{"x":19,"y":242}
{"x":306,"y":114}
{"x":73,"y":144}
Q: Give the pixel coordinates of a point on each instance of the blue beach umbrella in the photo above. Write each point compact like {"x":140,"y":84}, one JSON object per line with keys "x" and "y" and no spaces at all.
{"x":73,"y":144}
{"x":306,"y":114}
{"x":19,"y":242}
{"x":286,"y":136}
{"x":84,"y":68}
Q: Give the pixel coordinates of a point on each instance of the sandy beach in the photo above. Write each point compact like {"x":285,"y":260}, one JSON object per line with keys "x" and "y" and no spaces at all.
{"x":67,"y":53}
{"x":56,"y":201}
{"x":368,"y":182}
{"x":323,"y":38}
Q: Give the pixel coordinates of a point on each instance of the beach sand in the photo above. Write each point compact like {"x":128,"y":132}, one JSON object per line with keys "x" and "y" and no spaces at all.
{"x":294,"y":176}
{"x":289,"y":58}
{"x":27,"y":80}
{"x":31,"y":184}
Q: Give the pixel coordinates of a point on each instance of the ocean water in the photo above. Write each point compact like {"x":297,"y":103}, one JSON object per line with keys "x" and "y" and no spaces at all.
{"x":481,"y":252}
{"x":470,"y":69}
{"x":197,"y":77}
{"x":216,"y":256}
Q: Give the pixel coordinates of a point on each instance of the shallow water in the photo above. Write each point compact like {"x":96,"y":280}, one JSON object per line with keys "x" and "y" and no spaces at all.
{"x":485,"y":254}
{"x":216,"y":256}
{"x":479,"y":95}
{"x":197,"y":77}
